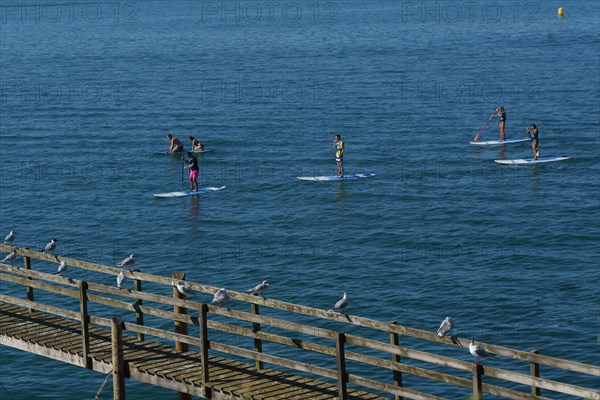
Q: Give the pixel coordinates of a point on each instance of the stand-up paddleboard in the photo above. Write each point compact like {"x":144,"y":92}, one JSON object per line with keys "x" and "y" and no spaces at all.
{"x":334,"y":177}
{"x":189,"y":192}
{"x":528,"y":161}
{"x":492,"y":142}
{"x":164,"y":153}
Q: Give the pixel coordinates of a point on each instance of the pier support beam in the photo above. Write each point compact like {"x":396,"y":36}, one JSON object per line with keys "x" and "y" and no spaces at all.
{"x":395,"y":341}
{"x":118,"y":362}
{"x":180,"y":327}
{"x":477,"y":382}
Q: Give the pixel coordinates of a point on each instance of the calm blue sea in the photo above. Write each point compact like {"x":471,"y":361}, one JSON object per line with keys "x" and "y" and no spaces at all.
{"x":89,"y":91}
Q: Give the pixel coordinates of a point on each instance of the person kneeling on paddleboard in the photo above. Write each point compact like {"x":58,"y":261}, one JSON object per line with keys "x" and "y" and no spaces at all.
{"x":196,"y":145}
{"x":192,"y":162}
{"x":176,"y":145}
{"x":338,"y":145}
{"x":501,"y":115}
{"x":533,"y":134}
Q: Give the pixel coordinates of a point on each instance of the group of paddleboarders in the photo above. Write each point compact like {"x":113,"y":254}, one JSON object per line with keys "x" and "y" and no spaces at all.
{"x":532,"y":130}
{"x":176,"y":146}
{"x":191,"y":161}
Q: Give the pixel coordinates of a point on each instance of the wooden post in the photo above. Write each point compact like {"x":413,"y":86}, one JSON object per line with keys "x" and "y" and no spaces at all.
{"x":394,"y":341}
{"x":118,"y":362}
{"x":85,"y":328}
{"x":27,"y":265}
{"x":535,"y":372}
{"x":257,"y":342}
{"x":202,"y":322}
{"x":180,"y":327}
{"x":477,"y":382}
{"x":139,"y":315}
{"x":341,"y":367}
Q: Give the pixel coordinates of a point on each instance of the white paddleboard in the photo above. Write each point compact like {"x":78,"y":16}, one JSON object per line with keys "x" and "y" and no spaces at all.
{"x":527,"y":161}
{"x":164,"y":153}
{"x":189,"y":192}
{"x":334,"y":177}
{"x":492,"y":142}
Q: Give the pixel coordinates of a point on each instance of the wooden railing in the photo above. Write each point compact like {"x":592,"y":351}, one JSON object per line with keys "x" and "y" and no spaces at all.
{"x":399,"y":361}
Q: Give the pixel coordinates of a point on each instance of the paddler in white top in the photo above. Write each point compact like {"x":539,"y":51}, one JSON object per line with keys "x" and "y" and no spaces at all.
{"x":338,"y":145}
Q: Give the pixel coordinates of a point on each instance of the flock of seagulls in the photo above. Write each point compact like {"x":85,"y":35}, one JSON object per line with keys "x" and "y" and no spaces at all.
{"x":221,"y":296}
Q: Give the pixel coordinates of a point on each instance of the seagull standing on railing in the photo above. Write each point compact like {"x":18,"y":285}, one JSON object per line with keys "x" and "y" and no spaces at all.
{"x":62,"y":269}
{"x":120,"y":279}
{"x":479,"y":352}
{"x":341,"y":304}
{"x":50,"y":247}
{"x":9,"y":238}
{"x":128,"y":262}
{"x":260,"y":288}
{"x":221,"y":297}
{"x":445,"y":327}
{"x":184,"y":288}
{"x":10,"y":257}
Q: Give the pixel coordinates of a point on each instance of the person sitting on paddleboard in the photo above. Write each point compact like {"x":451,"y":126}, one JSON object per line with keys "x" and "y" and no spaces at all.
{"x":176,"y":145}
{"x":338,"y":145}
{"x":196,"y":145}
{"x":533,"y":134}
{"x":192,"y":162}
{"x":501,"y":115}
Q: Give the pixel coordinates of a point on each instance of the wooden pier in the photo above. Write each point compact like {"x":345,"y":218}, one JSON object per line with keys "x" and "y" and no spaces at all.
{"x":213,"y":352}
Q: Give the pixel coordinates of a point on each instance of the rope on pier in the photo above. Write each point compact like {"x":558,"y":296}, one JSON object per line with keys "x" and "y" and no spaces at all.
{"x":103,"y":384}
{"x":7,"y":392}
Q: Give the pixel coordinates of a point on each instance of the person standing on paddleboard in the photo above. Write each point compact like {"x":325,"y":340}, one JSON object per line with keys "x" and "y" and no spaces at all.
{"x":338,"y":145}
{"x":196,"y":145}
{"x":176,"y":145}
{"x":501,"y":115}
{"x":533,"y":134}
{"x":192,"y":162}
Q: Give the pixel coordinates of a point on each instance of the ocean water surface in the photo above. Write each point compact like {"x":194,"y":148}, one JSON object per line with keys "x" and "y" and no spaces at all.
{"x":90,"y":91}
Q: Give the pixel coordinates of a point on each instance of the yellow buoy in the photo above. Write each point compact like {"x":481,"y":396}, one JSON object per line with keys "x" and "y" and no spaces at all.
{"x":561,"y":12}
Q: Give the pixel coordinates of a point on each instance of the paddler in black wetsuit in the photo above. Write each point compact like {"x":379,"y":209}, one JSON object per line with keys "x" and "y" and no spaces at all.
{"x":192,"y":162}
{"x":533,"y":134}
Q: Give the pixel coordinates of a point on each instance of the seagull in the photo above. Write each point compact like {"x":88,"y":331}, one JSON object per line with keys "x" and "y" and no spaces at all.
{"x":62,"y":268}
{"x":184,"y":288}
{"x":445,"y":327}
{"x":50,"y":247}
{"x":120,"y":279}
{"x":9,"y":238}
{"x":478,"y":351}
{"x":10,"y":257}
{"x":128,"y":262}
{"x":341,"y":304}
{"x":221,"y":296}
{"x":260,"y":288}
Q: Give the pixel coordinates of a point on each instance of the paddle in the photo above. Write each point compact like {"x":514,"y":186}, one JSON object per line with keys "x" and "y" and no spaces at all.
{"x":483,"y":127}
{"x":182,"y":171}
{"x":526,"y":127}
